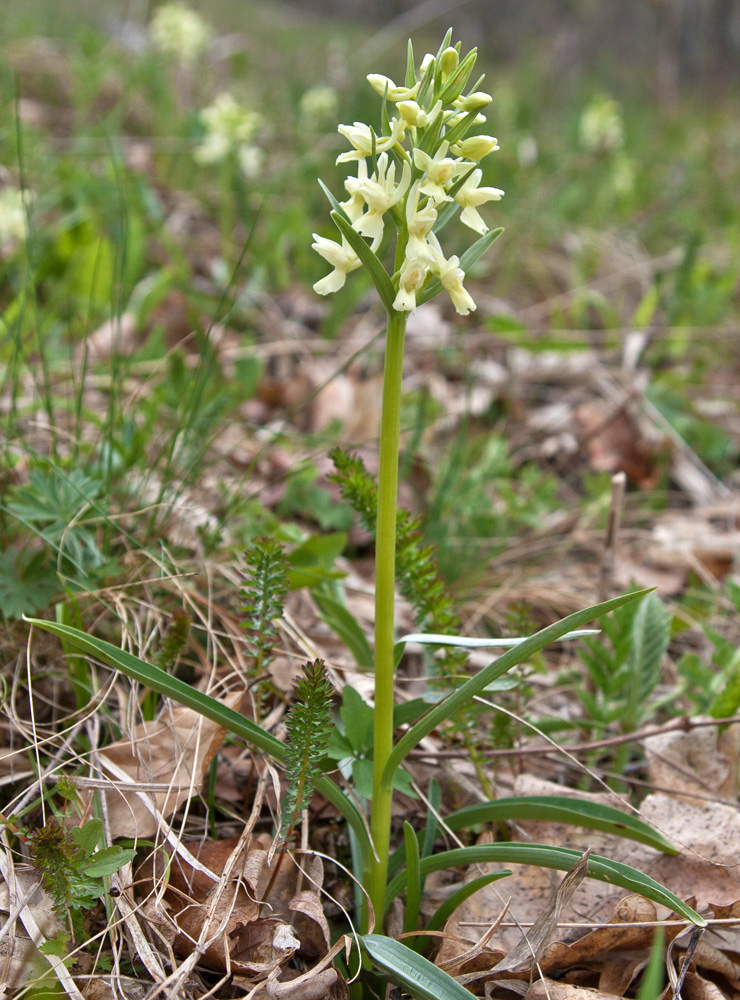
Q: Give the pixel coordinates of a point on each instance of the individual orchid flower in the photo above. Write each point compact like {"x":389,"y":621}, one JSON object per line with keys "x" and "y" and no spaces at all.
{"x":440,"y":169}
{"x":451,"y":276}
{"x":413,"y":275}
{"x":342,"y":258}
{"x":384,"y":86}
{"x":361,"y":138}
{"x":419,"y":223}
{"x":381,"y":193}
{"x":355,"y":204}
{"x":470,"y":197}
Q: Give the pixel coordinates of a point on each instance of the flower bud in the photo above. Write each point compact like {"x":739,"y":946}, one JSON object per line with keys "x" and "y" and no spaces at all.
{"x":474,"y":102}
{"x":475,"y":147}
{"x":425,"y":62}
{"x":448,"y":62}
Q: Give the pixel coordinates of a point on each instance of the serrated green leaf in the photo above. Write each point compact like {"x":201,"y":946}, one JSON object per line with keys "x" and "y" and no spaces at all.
{"x":371,"y":262}
{"x":416,"y":975}
{"x":561,"y":809}
{"x":559,"y":858}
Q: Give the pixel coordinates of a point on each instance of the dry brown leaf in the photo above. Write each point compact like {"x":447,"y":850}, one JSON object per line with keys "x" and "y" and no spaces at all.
{"x":695,"y":987}
{"x":548,"y":989}
{"x":616,"y":442}
{"x":695,"y":763}
{"x":244,"y":935}
{"x":167,"y":760}
{"x":17,"y":951}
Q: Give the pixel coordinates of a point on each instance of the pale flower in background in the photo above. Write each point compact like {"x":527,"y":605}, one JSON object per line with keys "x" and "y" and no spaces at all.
{"x":179,"y":32}
{"x":318,"y":103}
{"x":527,"y":151}
{"x":13,"y":218}
{"x":230,"y":128}
{"x":600,"y":129}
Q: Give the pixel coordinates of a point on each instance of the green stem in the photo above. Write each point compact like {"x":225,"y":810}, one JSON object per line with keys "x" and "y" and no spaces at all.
{"x":385,"y":582}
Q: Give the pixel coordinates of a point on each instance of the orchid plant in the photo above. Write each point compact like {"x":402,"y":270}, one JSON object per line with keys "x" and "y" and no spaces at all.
{"x":423,"y":166}
{"x":411,"y":176}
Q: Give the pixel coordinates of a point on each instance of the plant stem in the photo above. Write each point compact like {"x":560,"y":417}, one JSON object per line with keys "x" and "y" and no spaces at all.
{"x":385,"y":583}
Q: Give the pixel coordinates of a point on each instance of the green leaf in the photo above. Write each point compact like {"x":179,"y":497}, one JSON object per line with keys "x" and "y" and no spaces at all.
{"x":312,"y":562}
{"x":357,"y":717}
{"x":413,"y":881}
{"x":27,"y":584}
{"x":649,"y":642}
{"x":341,"y":621}
{"x":336,"y":207}
{"x":172,"y":687}
{"x":371,"y":262}
{"x":468,"y":259}
{"x":410,"y":78}
{"x":560,"y":858}
{"x":416,"y":975}
{"x":464,"y":694}
{"x":107,"y":861}
{"x":561,"y":809}
{"x":88,"y":836}
{"x":653,"y":978}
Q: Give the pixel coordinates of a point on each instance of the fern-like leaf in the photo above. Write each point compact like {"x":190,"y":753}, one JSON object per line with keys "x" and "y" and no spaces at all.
{"x":263,"y":595}
{"x":174,"y":639}
{"x":309,"y":726}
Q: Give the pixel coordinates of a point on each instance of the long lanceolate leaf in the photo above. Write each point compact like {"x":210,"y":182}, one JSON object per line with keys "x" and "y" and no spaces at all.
{"x":172,"y":687}
{"x":475,"y":686}
{"x":560,"y":858}
{"x":560,"y":809}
